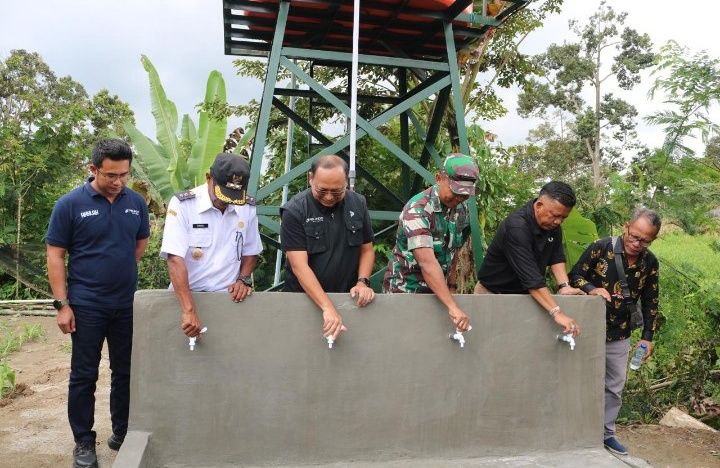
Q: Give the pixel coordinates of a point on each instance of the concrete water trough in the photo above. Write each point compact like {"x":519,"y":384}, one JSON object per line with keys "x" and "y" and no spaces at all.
{"x":262,"y":388}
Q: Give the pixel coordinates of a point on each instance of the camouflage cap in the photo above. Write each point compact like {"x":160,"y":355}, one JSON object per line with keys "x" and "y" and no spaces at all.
{"x":462,"y":172}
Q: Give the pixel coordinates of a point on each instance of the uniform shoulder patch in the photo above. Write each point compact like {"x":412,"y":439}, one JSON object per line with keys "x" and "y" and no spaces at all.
{"x":186,"y":195}
{"x":250,"y":200}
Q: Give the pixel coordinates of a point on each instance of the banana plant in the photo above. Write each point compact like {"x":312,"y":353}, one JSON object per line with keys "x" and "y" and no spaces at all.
{"x":174,"y":163}
{"x":578,"y":233}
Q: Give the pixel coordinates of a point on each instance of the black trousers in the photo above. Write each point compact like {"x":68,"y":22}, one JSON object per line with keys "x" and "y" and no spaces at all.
{"x":92,"y":326}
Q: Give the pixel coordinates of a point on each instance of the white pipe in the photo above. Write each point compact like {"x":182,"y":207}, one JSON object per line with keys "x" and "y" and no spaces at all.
{"x":353,"y":90}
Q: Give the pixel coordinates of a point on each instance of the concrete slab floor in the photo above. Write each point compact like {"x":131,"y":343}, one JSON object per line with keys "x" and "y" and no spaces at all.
{"x":596,"y":458}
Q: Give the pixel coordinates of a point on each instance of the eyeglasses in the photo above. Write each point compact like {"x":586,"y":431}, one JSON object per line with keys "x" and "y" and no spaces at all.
{"x":113,"y":177}
{"x":633,"y":239}
{"x":334,"y":194}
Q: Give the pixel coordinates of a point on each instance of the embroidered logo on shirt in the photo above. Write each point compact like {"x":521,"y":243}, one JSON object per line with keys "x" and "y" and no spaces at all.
{"x":318,"y":219}
{"x":133,"y":212}
{"x":87,"y":213}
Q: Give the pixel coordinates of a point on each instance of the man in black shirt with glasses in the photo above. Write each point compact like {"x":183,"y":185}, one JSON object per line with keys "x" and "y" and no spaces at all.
{"x":327,"y":237}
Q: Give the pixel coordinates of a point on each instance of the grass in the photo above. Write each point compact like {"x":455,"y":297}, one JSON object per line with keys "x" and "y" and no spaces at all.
{"x":699,"y":252}
{"x":12,"y":337}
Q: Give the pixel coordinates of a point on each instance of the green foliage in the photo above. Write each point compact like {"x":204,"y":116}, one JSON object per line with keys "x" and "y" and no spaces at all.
{"x":578,"y":233}
{"x":7,"y":378}
{"x":12,"y":337}
{"x":152,"y":269}
{"x":502,"y":185}
{"x":691,"y":83}
{"x":686,"y":345}
{"x":175,"y":162}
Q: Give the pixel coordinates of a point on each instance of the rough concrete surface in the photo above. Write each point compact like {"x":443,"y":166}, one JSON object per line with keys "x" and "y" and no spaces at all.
{"x":262,"y":388}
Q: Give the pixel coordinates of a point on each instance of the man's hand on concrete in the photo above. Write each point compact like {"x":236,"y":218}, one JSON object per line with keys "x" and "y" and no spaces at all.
{"x":362,"y":293}
{"x":239,"y":291}
{"x":190,"y":324}
{"x":332,"y":323}
{"x":602,"y":292}
{"x":66,"y":320}
{"x":459,"y":318}
{"x":570,"y":291}
{"x":568,"y":324}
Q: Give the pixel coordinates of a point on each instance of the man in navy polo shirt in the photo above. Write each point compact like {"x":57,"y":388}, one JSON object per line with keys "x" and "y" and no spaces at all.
{"x":104,"y":228}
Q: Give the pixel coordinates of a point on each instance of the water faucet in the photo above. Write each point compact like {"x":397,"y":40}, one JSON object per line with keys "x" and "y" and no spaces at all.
{"x":459,"y":337}
{"x":193,"y":339}
{"x":568,"y":338}
{"x":331,"y":338}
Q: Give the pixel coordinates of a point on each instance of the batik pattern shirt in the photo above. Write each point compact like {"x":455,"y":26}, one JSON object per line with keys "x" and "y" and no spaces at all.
{"x":596,"y":269}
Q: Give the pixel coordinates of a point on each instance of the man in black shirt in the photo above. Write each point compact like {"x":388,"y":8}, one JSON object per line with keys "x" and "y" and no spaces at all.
{"x":327,"y":237}
{"x":596,"y":273}
{"x":526,"y":243}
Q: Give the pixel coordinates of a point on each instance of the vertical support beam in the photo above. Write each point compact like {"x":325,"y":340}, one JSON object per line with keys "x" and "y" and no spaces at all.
{"x":436,"y":120}
{"x":404,"y":133}
{"x":266,"y":103}
{"x":475,"y":231}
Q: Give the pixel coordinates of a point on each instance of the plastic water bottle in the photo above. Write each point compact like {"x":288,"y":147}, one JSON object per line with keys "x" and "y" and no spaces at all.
{"x":637,"y":358}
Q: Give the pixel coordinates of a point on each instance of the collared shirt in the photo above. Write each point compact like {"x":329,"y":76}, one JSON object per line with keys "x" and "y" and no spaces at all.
{"x":424,"y":222}
{"x":331,"y":236}
{"x":100,"y":238}
{"x":212,"y":242}
{"x":520,"y":253}
{"x":596,"y":269}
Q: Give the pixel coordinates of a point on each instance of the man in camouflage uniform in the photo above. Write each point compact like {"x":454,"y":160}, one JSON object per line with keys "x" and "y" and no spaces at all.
{"x":432,"y":227}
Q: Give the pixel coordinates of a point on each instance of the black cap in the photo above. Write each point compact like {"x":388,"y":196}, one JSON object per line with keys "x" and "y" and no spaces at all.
{"x":230,"y":174}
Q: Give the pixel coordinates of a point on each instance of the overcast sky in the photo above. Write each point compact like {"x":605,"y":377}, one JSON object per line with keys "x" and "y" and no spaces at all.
{"x":99,"y":44}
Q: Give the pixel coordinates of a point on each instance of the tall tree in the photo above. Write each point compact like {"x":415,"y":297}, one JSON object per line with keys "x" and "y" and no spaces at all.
{"x":47,"y":124}
{"x":605,"y":53}
{"x":691,"y":84}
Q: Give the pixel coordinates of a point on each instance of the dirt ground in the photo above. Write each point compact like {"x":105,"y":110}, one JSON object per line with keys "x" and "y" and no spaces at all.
{"x":34,"y":431}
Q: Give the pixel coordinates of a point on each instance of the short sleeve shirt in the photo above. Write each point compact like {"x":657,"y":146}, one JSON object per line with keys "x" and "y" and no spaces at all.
{"x":520,"y":253}
{"x":331,"y":236}
{"x":100,"y":238}
{"x":211,"y":242}
{"x":424,"y":222}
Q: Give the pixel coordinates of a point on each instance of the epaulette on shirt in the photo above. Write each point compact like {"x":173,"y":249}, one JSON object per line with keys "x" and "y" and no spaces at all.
{"x":250,"y":200}
{"x":186,"y":195}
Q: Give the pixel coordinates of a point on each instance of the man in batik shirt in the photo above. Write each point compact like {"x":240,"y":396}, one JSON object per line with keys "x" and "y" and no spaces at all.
{"x":596,"y":274}
{"x":431,"y":229}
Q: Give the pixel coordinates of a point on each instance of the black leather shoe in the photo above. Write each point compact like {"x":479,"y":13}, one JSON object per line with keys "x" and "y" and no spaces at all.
{"x":84,"y":455}
{"x":115,"y":441}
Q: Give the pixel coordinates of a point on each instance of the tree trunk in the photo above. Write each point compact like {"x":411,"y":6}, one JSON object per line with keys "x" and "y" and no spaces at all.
{"x":595,"y":156}
{"x":17,"y":244}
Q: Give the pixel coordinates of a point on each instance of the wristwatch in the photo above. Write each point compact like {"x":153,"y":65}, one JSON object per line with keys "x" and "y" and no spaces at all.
{"x":246,"y":280}
{"x":59,"y":304}
{"x":365,"y":280}
{"x":563,"y":285}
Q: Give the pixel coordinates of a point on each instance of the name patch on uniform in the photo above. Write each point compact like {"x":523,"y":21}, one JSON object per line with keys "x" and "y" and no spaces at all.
{"x":199,"y":226}
{"x":133,"y":212}
{"x":87,"y":213}
{"x":318,"y":219}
